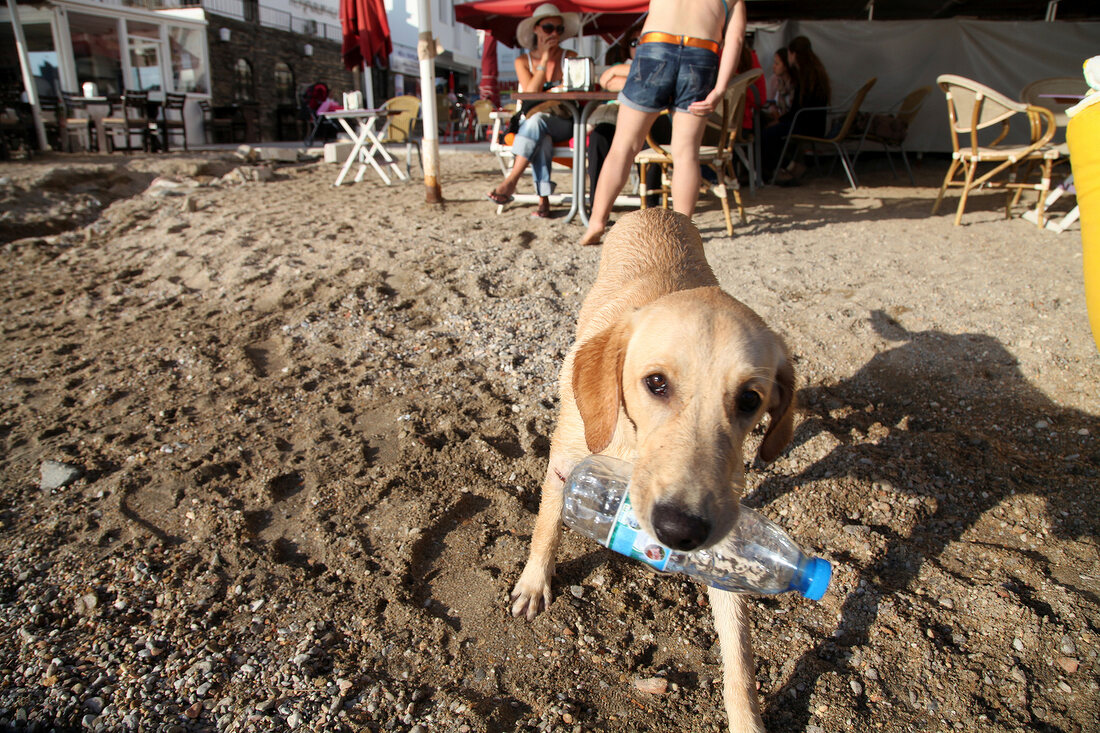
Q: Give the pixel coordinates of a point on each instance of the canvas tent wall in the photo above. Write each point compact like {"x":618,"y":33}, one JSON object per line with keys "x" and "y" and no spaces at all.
{"x":904,"y":55}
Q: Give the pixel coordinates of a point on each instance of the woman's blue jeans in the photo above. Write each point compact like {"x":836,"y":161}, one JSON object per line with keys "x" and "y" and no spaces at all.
{"x":535,"y":141}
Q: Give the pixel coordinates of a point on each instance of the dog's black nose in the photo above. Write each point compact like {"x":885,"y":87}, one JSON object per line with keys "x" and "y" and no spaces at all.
{"x":679,"y":530}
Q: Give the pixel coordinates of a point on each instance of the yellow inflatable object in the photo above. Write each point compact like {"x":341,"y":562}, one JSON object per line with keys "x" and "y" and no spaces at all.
{"x":1083,"y":136}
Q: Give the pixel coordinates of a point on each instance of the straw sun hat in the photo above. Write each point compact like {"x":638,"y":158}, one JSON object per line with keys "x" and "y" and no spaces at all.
{"x":525,"y":31}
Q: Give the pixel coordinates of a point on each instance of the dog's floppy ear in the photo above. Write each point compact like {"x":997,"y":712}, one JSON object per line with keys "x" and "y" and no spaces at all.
{"x":597,"y":384}
{"x":781,"y":410}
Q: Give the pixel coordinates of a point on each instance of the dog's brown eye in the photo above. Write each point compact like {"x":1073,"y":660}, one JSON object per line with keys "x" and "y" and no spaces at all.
{"x":748,"y":401}
{"x":657,"y":384}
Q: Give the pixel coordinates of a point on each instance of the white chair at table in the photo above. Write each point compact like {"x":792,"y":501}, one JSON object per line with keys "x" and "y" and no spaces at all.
{"x":501,"y":146}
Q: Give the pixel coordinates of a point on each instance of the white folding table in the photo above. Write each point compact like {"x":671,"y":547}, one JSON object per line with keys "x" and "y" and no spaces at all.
{"x":364,"y":136}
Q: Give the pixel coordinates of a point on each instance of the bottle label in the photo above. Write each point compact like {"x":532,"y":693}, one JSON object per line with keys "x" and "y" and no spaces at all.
{"x":628,"y":538}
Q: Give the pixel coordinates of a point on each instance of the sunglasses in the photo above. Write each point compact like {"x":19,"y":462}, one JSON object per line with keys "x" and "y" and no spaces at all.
{"x":633,"y":43}
{"x":551,"y":28}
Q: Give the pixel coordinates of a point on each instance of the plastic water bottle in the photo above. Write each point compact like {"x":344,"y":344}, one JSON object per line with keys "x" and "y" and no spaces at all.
{"x":756,"y":557}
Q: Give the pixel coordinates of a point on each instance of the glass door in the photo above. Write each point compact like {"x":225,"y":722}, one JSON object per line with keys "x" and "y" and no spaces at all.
{"x":146,"y":54}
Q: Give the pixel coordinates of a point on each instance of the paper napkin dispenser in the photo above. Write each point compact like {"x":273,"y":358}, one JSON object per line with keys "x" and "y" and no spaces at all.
{"x":577,"y":73}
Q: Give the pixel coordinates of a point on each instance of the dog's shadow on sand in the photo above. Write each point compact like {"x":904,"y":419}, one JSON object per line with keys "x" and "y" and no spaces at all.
{"x":960,"y":430}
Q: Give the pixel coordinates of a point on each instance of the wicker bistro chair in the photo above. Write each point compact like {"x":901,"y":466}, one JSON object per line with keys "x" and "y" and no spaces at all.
{"x":900,"y":117}
{"x":1041,"y":93}
{"x":717,"y":157}
{"x":841,"y":123}
{"x":974,"y":107}
{"x":404,"y":127}
{"x":483,"y":110}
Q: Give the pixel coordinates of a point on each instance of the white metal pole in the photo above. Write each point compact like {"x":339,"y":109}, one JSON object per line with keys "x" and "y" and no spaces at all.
{"x":28,"y":75}
{"x":368,"y":85}
{"x":425,"y":51}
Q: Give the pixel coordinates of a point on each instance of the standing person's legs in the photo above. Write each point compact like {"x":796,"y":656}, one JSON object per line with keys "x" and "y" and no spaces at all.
{"x":687,"y":134}
{"x":630,"y":130}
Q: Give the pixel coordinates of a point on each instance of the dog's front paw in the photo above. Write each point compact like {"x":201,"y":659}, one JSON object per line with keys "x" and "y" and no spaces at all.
{"x":531,"y":594}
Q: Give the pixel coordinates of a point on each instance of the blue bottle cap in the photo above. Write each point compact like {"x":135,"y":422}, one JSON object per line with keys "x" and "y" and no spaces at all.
{"x":813,"y":581}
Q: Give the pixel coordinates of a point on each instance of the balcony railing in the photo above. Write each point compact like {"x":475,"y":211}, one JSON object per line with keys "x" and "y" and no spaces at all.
{"x":248,"y":10}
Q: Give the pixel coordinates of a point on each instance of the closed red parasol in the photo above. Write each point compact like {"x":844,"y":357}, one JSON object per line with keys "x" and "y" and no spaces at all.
{"x":488,"y":88}
{"x":366,"y":33}
{"x":607,"y":18}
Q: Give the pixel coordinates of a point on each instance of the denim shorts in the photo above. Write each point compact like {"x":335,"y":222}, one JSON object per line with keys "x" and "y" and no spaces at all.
{"x":665,"y":75}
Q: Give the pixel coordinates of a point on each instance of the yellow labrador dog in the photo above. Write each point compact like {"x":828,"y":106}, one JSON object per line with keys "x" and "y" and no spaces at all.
{"x":671,"y":373}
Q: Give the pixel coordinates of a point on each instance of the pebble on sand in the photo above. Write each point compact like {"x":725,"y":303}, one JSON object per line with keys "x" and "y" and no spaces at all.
{"x":651,"y":685}
{"x":55,"y":474}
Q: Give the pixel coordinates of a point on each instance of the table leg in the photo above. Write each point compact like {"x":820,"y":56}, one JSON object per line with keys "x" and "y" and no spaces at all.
{"x":578,"y":164}
{"x":368,"y":155}
{"x":359,"y":139}
{"x":581,"y":161}
{"x":378,"y":148}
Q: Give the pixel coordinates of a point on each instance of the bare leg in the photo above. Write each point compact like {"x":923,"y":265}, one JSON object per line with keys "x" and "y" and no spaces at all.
{"x":687,"y":134}
{"x":631,"y":127}
{"x":507,"y":187}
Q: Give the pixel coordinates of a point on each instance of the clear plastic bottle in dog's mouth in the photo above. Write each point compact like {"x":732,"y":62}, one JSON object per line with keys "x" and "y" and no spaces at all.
{"x":757,"y":556}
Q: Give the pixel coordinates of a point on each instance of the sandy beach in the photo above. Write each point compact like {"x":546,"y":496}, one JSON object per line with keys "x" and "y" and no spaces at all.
{"x":271,"y":453}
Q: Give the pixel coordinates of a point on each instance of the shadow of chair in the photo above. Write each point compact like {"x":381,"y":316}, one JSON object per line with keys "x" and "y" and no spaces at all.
{"x":404,"y":127}
{"x":174,"y":119}
{"x":132,"y":118}
{"x":840,"y":122}
{"x":973,"y":108}
{"x":717,"y":157}
{"x":890,"y":128}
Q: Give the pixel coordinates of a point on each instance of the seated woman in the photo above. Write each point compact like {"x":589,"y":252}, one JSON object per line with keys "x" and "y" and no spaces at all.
{"x":539,"y":69}
{"x":781,"y":85}
{"x":811,"y":89}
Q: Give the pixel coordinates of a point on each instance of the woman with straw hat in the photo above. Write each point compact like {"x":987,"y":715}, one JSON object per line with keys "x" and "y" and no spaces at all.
{"x":539,"y":69}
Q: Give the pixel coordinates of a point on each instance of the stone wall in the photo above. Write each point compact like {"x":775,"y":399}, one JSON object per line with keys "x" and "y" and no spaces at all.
{"x":262,"y":48}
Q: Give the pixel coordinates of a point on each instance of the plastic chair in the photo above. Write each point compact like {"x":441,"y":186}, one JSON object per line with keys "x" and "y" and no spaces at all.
{"x":973,"y":108}
{"x":841,"y":120}
{"x":903,"y":113}
{"x":717,"y":157}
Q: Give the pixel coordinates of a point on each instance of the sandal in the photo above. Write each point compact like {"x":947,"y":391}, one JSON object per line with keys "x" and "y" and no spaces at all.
{"x":542,"y":212}
{"x":499,"y":199}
